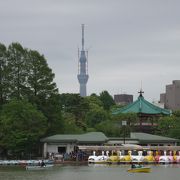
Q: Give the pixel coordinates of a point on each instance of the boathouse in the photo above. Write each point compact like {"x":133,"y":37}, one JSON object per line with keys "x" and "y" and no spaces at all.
{"x":67,"y":143}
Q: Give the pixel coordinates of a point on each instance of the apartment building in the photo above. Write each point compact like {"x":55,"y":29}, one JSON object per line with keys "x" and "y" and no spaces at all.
{"x":171,"y":98}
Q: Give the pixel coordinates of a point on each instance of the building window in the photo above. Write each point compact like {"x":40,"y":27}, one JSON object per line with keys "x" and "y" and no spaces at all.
{"x":61,"y":150}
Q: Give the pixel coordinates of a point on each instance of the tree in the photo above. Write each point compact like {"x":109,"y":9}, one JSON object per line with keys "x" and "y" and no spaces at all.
{"x":108,"y":128}
{"x":24,"y":74}
{"x":176,"y":113}
{"x":21,"y":127}
{"x":18,"y":67}
{"x":169,"y":126}
{"x":76,"y":105}
{"x":94,"y":101}
{"x":107,"y":100}
{"x":165,"y":124}
{"x":4,"y":75}
{"x":42,"y":91}
{"x":51,"y":108}
{"x":175,"y":131}
{"x":40,"y":76}
{"x":96,"y":116}
{"x":130,"y":118}
{"x":70,"y":126}
{"x":96,"y":113}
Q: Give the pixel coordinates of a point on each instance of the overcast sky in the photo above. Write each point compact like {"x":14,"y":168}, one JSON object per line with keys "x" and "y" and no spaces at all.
{"x":129,"y":41}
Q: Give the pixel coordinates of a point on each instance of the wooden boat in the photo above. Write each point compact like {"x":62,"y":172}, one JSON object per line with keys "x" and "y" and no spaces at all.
{"x":140,"y":170}
{"x":36,"y":167}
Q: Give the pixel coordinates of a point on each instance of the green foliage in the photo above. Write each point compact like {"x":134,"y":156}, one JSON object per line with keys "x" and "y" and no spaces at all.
{"x":21,"y":127}
{"x":24,"y":74}
{"x":70,"y":126}
{"x":107,"y":100}
{"x":17,"y":65}
{"x":175,"y":132}
{"x":96,"y":116}
{"x":43,"y":91}
{"x":108,"y":128}
{"x":40,"y":76}
{"x":164,"y":125}
{"x":91,"y":130}
{"x":51,"y":108}
{"x":94,"y":100}
{"x":96,"y":113}
{"x":131,"y":118}
{"x":176,"y":113}
{"x":169,"y":126}
{"x":116,"y":107}
{"x":4,"y":74}
{"x":76,"y":105}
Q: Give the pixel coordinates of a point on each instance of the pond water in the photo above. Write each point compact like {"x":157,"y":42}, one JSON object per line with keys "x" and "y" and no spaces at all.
{"x":90,"y":172}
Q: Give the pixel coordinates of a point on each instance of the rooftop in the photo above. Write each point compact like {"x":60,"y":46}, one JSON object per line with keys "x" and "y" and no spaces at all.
{"x":90,"y":137}
{"x":142,"y":106}
{"x":144,"y":137}
{"x":100,"y":138}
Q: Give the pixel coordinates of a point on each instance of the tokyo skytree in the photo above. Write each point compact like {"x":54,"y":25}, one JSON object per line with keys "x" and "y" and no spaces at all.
{"x":83,"y":68}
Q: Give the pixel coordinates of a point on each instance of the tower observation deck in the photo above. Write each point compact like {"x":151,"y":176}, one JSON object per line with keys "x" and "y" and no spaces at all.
{"x":83,"y":68}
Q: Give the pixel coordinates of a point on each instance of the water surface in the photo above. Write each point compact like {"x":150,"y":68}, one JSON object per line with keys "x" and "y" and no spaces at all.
{"x":91,"y":172}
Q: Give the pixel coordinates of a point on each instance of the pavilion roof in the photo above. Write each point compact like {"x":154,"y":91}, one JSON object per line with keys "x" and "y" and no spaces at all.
{"x":142,"y":106}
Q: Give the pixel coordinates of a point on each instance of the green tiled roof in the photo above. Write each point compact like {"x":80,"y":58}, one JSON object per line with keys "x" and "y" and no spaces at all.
{"x":88,"y":137}
{"x":144,"y":137}
{"x":100,"y":138}
{"x":142,"y":106}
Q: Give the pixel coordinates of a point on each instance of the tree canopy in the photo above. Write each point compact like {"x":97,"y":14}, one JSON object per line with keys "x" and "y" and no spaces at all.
{"x":26,"y":77}
{"x":170,"y":125}
{"x":106,"y":99}
{"x":21,"y":126}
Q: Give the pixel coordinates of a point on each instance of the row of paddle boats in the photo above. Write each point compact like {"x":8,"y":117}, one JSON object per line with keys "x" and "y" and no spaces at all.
{"x":24,"y":162}
{"x":39,"y":167}
{"x":172,"y":157}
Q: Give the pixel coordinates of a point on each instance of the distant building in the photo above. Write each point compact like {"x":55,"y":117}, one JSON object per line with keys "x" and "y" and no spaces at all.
{"x":83,"y":68}
{"x":123,"y":99}
{"x":171,"y":97}
{"x":162,"y":97}
{"x":158,"y":104}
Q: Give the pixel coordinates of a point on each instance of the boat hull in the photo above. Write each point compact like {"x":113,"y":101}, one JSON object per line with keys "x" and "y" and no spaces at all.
{"x":39,"y":167}
{"x":140,"y":170}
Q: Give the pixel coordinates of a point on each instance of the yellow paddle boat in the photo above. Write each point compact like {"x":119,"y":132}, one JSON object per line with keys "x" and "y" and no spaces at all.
{"x":139,"y":169}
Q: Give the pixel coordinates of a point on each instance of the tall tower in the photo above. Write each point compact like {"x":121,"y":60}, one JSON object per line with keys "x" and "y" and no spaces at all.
{"x":83,"y":68}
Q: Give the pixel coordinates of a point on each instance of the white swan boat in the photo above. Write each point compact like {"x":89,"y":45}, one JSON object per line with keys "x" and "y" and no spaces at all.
{"x":98,"y":159}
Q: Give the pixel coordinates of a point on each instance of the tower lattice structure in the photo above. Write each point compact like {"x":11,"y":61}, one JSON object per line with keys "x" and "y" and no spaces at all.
{"x":83,"y":68}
